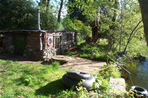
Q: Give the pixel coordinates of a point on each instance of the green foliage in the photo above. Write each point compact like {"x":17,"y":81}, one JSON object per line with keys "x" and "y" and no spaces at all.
{"x":68,"y":23}
{"x":137,"y":48}
{"x":81,"y":42}
{"x":55,"y":65}
{"x":22,"y":15}
{"x":93,"y":52}
{"x":68,"y":94}
{"x":82,"y":92}
{"x":18,"y":14}
{"x":48,"y":20}
{"x":79,"y":92}
{"x":61,"y":27}
{"x":25,"y":79}
{"x":131,"y":17}
{"x":110,"y":71}
{"x":70,"y":53}
{"x":108,"y":15}
{"x":102,"y":87}
{"x":77,"y":25}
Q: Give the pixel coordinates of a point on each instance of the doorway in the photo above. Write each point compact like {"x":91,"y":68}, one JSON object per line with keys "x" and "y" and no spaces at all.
{"x":57,"y":42}
{"x":19,"y":43}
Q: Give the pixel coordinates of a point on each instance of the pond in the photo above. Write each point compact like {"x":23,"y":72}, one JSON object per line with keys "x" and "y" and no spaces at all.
{"x":139,"y":74}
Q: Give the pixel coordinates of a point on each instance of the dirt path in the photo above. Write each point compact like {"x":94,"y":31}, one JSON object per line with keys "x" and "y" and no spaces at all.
{"x":74,"y":63}
{"x":83,"y":65}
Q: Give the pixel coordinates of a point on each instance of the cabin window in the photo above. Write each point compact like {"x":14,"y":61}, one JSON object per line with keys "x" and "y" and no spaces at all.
{"x":69,"y":37}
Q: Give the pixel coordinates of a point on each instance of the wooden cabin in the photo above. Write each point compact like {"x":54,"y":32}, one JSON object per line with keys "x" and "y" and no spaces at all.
{"x":38,"y":44}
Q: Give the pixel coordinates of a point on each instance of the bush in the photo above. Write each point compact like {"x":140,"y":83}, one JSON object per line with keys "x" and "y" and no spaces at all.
{"x":92,"y":52}
{"x":110,"y":71}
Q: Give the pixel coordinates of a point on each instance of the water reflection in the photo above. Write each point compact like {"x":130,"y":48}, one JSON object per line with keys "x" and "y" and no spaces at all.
{"x":139,"y":77}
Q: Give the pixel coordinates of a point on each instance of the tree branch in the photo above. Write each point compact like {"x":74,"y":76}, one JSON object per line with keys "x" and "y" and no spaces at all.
{"x":130,"y":37}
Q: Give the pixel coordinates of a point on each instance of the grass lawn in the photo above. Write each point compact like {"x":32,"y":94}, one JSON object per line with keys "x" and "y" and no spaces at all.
{"x":30,"y":81}
{"x":44,"y":81}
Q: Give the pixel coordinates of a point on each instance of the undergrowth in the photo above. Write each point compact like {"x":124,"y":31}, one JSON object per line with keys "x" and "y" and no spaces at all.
{"x":90,"y":51}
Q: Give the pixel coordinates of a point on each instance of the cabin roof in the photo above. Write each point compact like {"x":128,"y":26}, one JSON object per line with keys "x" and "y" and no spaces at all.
{"x":43,"y":31}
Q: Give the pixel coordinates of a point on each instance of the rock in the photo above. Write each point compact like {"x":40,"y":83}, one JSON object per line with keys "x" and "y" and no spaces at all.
{"x":117,"y":86}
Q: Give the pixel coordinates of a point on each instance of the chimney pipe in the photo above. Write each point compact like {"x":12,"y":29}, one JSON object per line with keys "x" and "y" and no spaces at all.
{"x":39,"y":28}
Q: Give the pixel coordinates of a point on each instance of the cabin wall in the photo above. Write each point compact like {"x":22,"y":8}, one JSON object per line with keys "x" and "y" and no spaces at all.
{"x":8,"y":45}
{"x":32,"y":44}
{"x":49,"y":51}
{"x":32,"y":49}
{"x":39,"y":44}
{"x":57,"y":42}
{"x":67,"y":41}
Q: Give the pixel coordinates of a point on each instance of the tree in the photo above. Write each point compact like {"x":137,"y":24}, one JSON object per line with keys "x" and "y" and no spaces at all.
{"x":75,"y":12}
{"x":17,"y":14}
{"x":144,"y":12}
{"x":45,"y":3}
{"x":22,"y":15}
{"x":60,"y":9}
{"x":48,"y":20}
{"x":99,"y":14}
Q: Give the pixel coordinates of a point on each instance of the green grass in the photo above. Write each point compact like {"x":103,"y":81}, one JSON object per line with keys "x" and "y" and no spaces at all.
{"x":89,"y":51}
{"x":30,"y":81}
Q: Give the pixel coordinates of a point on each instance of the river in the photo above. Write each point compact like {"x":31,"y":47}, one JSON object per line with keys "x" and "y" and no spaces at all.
{"x":139,"y":75}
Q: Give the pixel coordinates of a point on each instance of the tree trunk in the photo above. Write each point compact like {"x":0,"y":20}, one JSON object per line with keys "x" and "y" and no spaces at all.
{"x":144,"y":12}
{"x":112,"y":27}
{"x":95,"y":34}
{"x":130,"y":37}
{"x":121,"y":25}
{"x":60,"y":9}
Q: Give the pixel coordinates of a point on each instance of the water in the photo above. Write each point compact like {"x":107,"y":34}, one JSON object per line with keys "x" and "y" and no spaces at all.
{"x":139,"y":75}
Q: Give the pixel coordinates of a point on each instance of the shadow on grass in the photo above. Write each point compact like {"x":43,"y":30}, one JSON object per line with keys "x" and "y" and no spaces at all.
{"x":52,"y":88}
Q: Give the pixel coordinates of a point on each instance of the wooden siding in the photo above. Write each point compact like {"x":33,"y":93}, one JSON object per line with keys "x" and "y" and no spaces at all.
{"x":33,"y":40}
